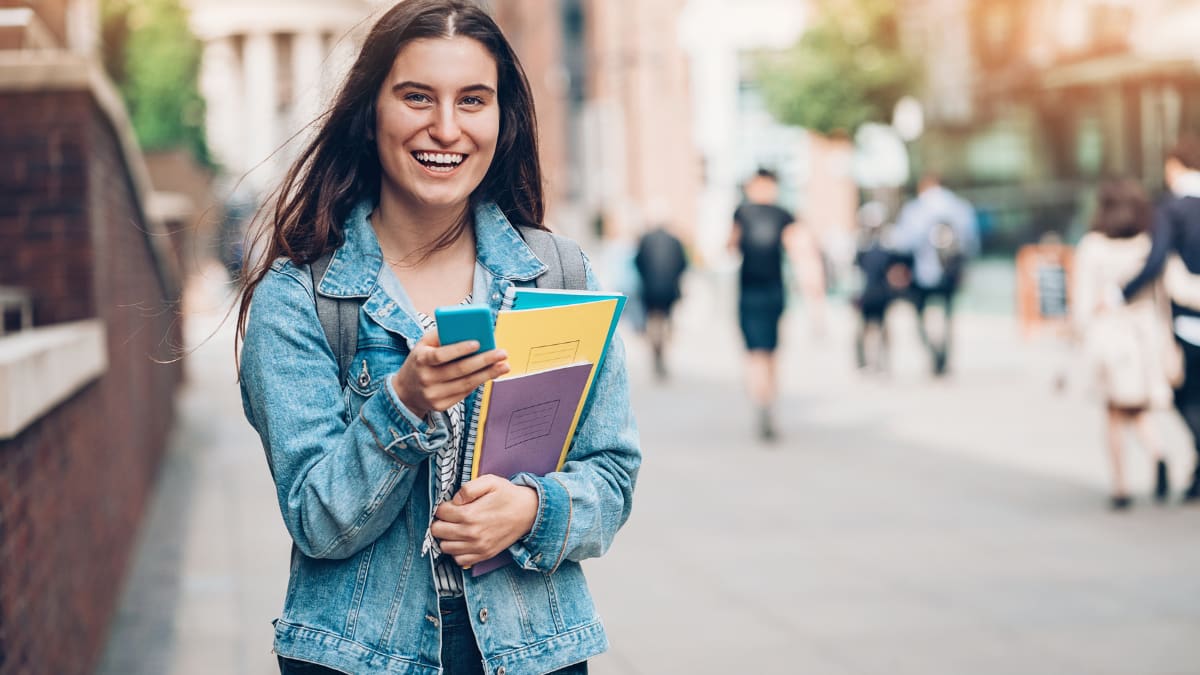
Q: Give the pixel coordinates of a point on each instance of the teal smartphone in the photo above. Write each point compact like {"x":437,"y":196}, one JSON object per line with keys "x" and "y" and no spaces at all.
{"x":465,"y":322}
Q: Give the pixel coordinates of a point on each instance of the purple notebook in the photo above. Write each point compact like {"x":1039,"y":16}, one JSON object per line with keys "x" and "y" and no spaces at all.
{"x":528,"y":422}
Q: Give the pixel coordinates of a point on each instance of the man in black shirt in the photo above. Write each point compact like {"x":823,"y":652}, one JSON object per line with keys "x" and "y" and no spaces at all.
{"x":763,"y":233}
{"x":1176,"y":229}
{"x":660,"y":262}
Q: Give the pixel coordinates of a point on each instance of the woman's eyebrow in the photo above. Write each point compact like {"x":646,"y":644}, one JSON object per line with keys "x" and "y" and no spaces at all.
{"x":409,"y":84}
{"x":479,"y":88}
{"x":473,"y":88}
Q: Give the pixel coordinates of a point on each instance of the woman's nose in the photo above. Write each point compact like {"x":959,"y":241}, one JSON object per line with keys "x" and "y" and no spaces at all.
{"x":445,"y":129}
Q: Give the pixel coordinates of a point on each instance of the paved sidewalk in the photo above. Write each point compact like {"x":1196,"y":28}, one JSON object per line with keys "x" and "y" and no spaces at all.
{"x":899,"y":526}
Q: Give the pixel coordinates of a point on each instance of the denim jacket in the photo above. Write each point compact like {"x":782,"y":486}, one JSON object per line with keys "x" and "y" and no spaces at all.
{"x":352,"y":470}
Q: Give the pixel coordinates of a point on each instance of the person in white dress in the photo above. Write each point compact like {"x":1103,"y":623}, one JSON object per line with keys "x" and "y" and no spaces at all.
{"x":1127,"y":343}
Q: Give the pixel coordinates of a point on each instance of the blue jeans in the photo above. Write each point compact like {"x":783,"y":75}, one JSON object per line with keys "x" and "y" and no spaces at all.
{"x":460,"y":654}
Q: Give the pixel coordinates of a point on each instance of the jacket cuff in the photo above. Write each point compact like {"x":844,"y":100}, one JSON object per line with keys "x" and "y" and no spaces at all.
{"x":545,"y":546}
{"x":408,"y":439}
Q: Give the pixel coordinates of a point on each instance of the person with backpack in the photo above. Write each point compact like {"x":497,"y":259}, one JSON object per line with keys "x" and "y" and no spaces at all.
{"x":763,"y":233}
{"x":876,"y":261}
{"x":940,"y":231}
{"x":421,"y":188}
{"x":660,"y":262}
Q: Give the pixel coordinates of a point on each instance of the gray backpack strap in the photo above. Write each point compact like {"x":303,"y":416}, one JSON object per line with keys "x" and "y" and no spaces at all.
{"x":562,"y":255}
{"x":338,"y":317}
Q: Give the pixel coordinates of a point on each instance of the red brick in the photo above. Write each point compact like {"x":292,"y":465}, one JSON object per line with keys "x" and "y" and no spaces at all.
{"x":67,"y":515}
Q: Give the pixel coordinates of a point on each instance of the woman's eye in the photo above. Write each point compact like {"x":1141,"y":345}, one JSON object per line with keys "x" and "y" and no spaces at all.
{"x":472,"y":101}
{"x":416,"y":98}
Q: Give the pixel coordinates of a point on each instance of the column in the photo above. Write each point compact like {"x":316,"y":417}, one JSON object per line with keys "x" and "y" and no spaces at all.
{"x":262,"y":106}
{"x":221,"y":87}
{"x":308,"y":55}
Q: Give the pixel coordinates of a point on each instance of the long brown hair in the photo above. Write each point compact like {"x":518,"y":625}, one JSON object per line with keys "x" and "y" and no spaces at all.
{"x":1122,"y":209}
{"x":340,"y":167}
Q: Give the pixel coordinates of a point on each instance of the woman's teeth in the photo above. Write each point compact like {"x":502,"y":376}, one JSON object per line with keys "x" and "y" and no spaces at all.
{"x":439,"y":161}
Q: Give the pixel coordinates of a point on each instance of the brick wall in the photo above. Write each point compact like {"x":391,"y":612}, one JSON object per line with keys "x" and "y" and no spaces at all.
{"x":74,"y":483}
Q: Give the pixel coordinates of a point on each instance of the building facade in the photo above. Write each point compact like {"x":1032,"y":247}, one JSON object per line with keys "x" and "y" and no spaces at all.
{"x":1030,"y":102}
{"x":641,"y":167}
{"x":268,"y":68}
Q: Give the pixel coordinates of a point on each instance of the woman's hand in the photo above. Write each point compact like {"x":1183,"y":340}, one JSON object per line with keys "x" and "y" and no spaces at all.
{"x":435,"y":377}
{"x":485,"y":517}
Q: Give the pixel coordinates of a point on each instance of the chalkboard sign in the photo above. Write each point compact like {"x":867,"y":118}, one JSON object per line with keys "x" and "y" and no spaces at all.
{"x":1044,"y":287}
{"x":1051,"y":289}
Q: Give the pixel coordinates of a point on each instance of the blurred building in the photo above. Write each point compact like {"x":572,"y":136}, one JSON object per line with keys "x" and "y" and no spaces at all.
{"x":268,"y":69}
{"x":86,"y":373}
{"x":640,"y":162}
{"x":1029,"y":102}
{"x":731,"y":128}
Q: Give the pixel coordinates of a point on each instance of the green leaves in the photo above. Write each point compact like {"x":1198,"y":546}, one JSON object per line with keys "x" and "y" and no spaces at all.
{"x":847,"y":69}
{"x":155,"y":60}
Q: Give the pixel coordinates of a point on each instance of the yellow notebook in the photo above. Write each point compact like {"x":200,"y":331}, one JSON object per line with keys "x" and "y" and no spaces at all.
{"x":544,"y":338}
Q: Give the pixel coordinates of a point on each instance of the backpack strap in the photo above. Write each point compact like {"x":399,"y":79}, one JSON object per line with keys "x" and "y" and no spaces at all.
{"x":562,"y":255}
{"x":338,"y":317}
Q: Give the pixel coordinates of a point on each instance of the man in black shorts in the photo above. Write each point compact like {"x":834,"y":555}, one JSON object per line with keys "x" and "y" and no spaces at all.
{"x":763,"y":233}
{"x":660,"y":262}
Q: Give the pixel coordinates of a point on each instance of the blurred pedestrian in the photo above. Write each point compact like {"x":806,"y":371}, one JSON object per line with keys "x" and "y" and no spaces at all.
{"x":939,"y":229}
{"x":660,"y":262}
{"x":764,"y":233}
{"x":408,"y":197}
{"x":1124,"y":342}
{"x":1176,"y":230}
{"x":875,"y":260}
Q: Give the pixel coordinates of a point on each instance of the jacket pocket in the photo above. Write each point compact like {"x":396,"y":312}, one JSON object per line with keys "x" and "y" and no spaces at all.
{"x":371,"y":366}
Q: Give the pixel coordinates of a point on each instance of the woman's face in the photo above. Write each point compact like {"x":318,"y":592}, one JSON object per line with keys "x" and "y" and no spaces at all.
{"x":437,"y":119}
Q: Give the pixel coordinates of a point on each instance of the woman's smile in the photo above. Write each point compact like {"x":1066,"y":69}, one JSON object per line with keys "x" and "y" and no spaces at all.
{"x":440,"y":163}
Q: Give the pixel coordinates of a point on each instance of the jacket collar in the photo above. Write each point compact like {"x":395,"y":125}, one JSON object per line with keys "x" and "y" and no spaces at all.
{"x":354,"y":268}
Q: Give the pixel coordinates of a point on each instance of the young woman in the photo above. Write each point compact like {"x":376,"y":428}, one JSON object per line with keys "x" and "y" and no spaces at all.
{"x":1127,"y":342}
{"x":414,"y":180}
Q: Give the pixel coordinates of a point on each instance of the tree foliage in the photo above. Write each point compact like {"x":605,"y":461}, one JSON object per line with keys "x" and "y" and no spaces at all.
{"x":153,"y":57}
{"x":846,"y":69}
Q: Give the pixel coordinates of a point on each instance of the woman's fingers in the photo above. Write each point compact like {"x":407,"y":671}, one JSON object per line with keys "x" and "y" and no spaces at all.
{"x":452,"y":383}
{"x":437,"y":377}
{"x":452,"y":352}
{"x":464,"y":367}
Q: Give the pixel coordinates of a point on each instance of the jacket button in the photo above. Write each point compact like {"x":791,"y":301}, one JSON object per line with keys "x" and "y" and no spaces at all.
{"x":501,"y":671}
{"x":483,"y":615}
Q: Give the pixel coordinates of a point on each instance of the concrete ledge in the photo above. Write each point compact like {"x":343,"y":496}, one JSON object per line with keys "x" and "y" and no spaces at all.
{"x":42,"y":367}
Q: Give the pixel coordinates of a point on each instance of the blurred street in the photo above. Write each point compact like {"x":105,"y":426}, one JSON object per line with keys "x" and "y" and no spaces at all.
{"x":900,"y":526}
{"x":833,"y":152}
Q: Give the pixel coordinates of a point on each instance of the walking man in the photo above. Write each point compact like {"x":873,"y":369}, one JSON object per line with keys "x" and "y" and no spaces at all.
{"x":939,"y":230}
{"x":660,"y":262}
{"x":763,"y":232}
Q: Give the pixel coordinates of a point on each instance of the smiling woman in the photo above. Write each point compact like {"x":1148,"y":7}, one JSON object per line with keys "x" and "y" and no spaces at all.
{"x":405,"y":201}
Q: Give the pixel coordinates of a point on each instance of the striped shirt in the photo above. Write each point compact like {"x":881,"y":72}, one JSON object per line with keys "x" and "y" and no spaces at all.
{"x":448,"y":468}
